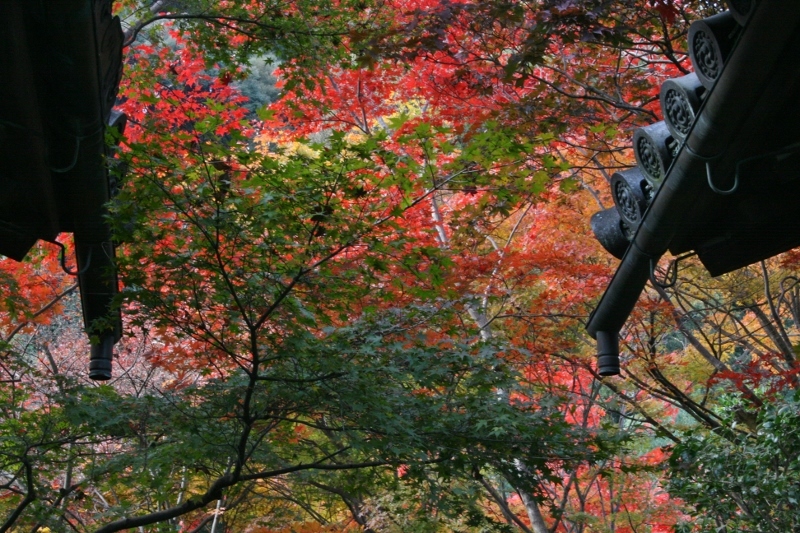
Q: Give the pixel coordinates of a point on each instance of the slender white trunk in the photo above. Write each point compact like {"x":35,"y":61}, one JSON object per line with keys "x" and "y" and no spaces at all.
{"x":216,"y":516}
{"x":534,"y":514}
{"x":444,"y":241}
{"x":182,"y":490}
{"x":477,"y":312}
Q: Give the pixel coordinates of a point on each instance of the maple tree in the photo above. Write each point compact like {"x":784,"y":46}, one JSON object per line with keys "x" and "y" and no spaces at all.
{"x":362,"y":308}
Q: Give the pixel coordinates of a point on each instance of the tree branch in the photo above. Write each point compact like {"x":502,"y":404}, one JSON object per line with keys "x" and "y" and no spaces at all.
{"x":213,"y":493}
{"x":40,"y":312}
{"x":500,"y":501}
{"x":224,"y":21}
{"x":30,"y":496}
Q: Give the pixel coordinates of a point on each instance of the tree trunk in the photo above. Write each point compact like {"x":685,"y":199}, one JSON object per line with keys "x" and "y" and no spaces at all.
{"x":534,"y":514}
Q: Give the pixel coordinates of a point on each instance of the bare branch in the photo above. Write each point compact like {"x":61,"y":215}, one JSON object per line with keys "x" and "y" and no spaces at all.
{"x":30,"y":496}
{"x":40,"y":312}
{"x":500,"y":501}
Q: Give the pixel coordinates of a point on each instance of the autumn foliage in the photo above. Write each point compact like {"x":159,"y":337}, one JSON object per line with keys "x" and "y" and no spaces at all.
{"x":360,"y":307}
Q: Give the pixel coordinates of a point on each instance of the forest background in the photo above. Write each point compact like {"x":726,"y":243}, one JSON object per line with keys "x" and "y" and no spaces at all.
{"x":356,"y":263}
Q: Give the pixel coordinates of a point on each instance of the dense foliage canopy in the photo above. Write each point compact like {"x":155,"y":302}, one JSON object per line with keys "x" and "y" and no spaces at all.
{"x":355,"y":268}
